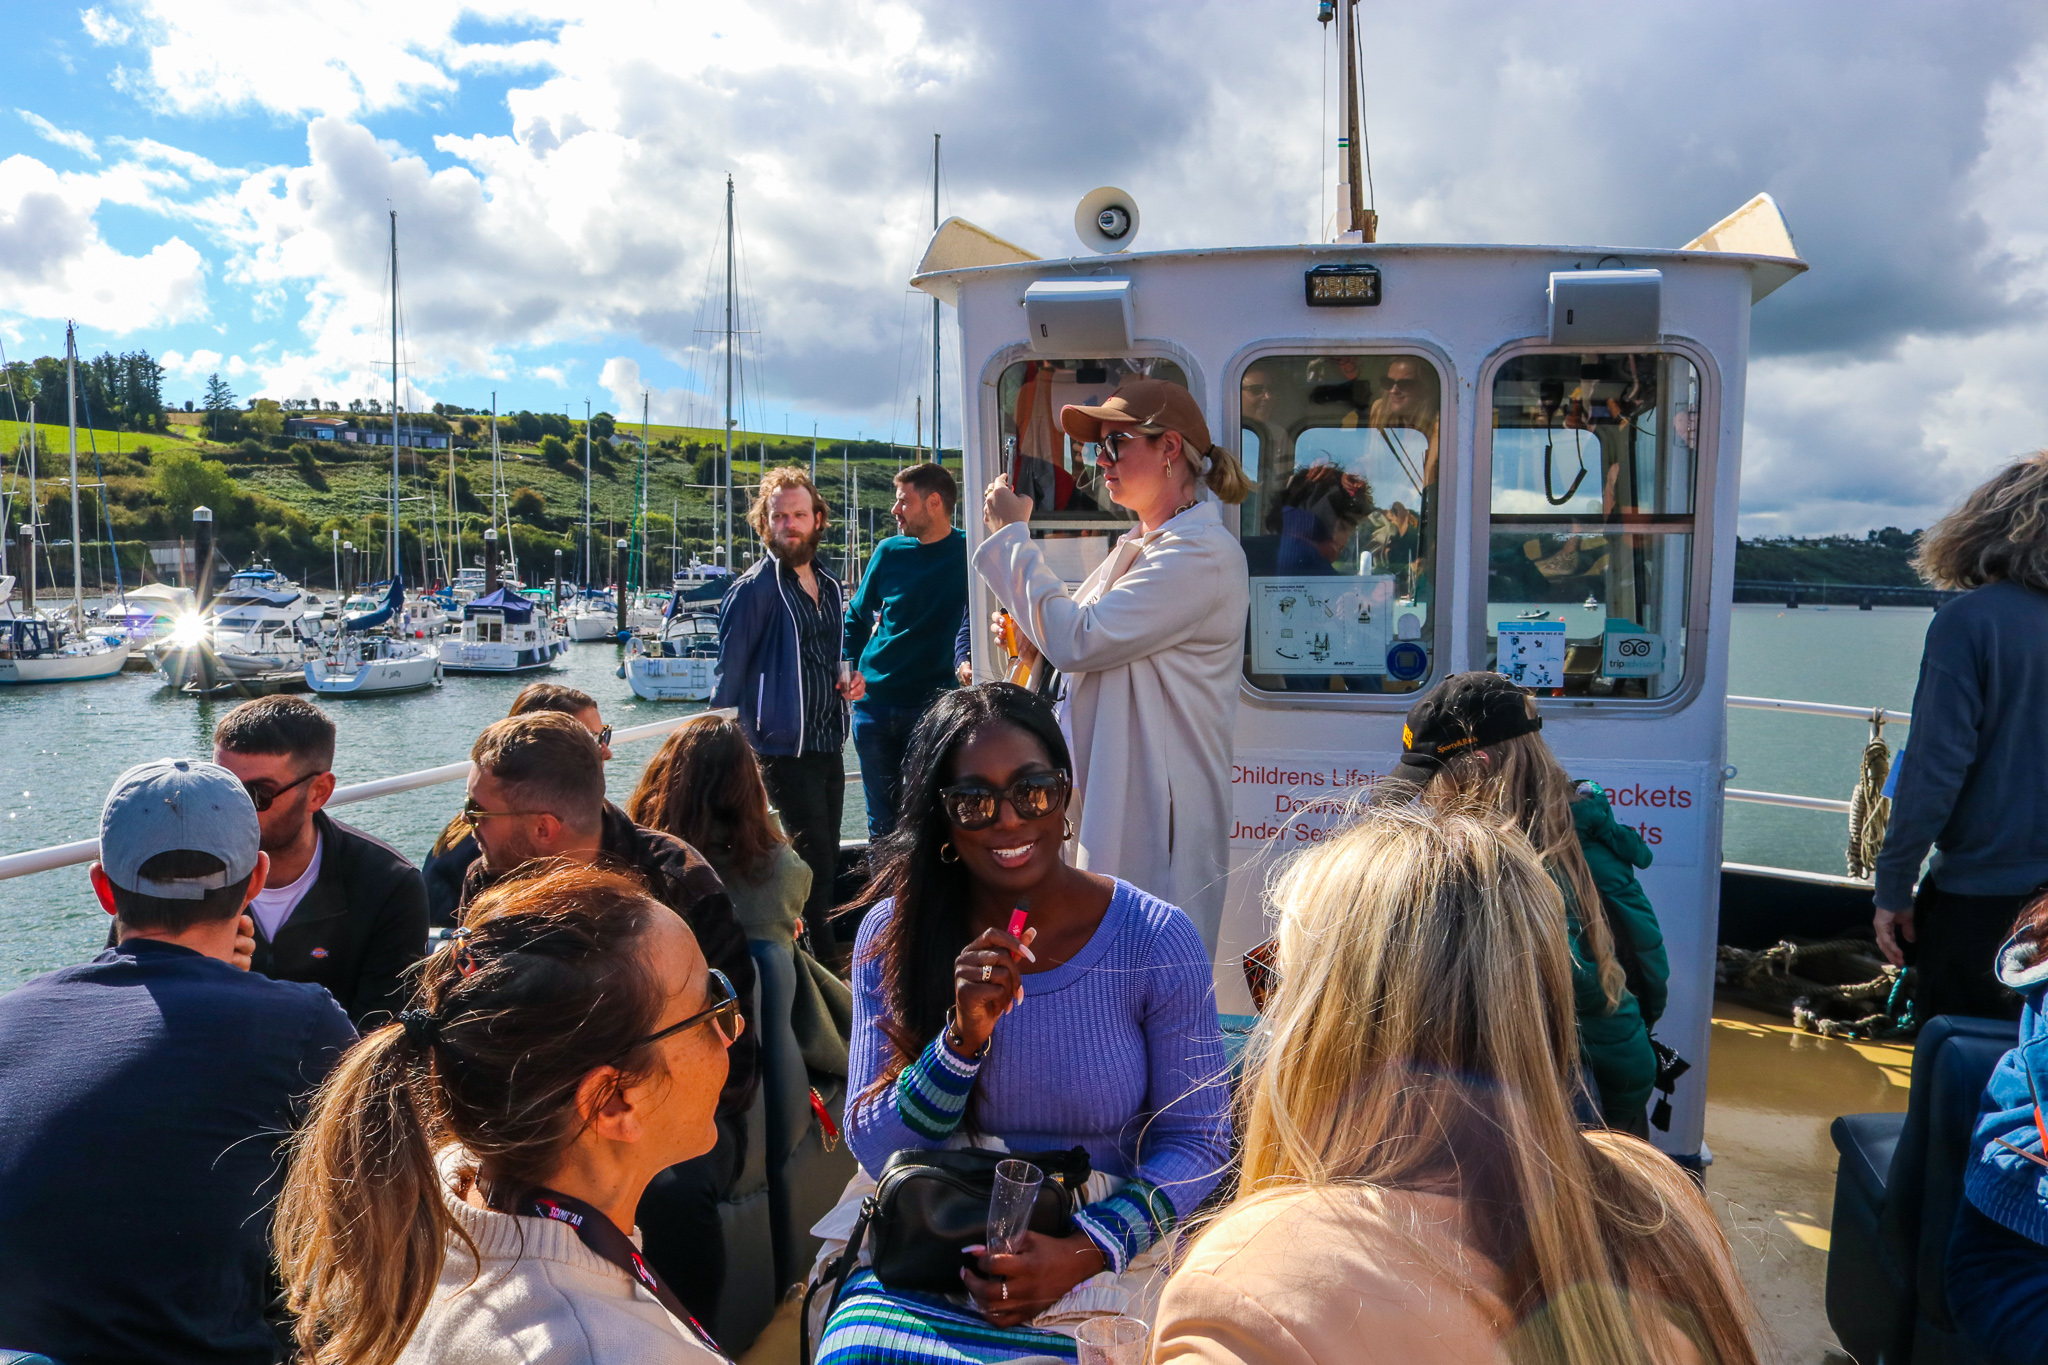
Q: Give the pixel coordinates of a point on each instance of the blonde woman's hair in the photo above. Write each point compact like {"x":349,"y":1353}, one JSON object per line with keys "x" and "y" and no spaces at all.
{"x":1420,"y":1038}
{"x":1522,"y":779}
{"x":2000,"y":531}
{"x":1226,"y":477}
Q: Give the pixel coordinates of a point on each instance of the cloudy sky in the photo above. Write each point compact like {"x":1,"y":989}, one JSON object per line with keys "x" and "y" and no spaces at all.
{"x":210,"y":180}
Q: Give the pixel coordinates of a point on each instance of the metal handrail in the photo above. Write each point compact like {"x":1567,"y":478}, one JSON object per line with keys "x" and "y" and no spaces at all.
{"x":85,"y":850}
{"x":1786,"y":799}
{"x":1824,"y":708}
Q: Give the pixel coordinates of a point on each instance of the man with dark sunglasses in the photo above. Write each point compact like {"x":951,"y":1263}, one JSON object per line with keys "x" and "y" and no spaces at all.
{"x":339,"y":908}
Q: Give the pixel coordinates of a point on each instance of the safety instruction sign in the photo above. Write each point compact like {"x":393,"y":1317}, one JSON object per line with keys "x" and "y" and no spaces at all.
{"x":1531,"y":653}
{"x":1339,"y":624}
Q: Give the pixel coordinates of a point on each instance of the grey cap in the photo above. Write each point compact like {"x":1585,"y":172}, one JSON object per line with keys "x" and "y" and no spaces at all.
{"x":177,"y":805}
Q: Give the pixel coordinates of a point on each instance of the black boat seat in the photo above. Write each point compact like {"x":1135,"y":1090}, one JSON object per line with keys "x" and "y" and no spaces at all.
{"x":1898,"y":1185}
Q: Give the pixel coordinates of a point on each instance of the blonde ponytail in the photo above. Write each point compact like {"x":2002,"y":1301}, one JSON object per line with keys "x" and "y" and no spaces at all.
{"x":1226,"y":477}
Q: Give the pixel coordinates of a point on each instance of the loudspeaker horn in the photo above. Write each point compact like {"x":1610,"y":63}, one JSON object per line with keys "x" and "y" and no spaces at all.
{"x":1107,"y":220}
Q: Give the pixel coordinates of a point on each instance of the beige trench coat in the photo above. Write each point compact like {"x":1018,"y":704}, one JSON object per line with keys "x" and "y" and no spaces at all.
{"x":1152,"y":646}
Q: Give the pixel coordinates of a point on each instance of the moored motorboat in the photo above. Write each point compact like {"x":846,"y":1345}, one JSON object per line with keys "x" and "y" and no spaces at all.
{"x":502,"y":632}
{"x":679,"y":662}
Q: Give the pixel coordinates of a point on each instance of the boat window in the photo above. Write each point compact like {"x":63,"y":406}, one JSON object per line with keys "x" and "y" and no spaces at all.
{"x":1340,"y":531}
{"x":1589,"y":551}
{"x":1072,"y":517}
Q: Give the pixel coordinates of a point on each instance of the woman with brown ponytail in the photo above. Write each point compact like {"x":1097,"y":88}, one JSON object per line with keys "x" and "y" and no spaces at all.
{"x":466,"y":1183}
{"x":1414,"y":1186}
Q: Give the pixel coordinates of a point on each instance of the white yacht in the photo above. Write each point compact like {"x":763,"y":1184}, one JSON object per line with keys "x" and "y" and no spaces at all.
{"x":256,"y":625}
{"x":679,"y":662}
{"x":502,"y":632}
{"x":592,"y":617}
{"x":34,"y":650}
{"x":371,"y":654}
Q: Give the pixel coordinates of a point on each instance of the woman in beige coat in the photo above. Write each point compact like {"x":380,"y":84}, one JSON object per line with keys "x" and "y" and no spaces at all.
{"x":1414,"y":1188}
{"x":1151,"y":645}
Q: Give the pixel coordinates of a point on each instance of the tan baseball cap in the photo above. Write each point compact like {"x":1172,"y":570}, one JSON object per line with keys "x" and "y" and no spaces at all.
{"x":1148,"y":402}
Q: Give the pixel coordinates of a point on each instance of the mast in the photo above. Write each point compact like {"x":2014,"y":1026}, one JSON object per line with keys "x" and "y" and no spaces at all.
{"x":725,"y":494}
{"x":645,"y":396}
{"x":394,"y":393}
{"x":586,"y":493}
{"x":938,"y":447}
{"x":1355,"y":222}
{"x":71,"y":419}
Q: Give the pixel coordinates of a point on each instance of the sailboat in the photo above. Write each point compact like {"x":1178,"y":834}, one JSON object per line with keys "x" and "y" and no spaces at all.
{"x":369,"y":656}
{"x":377,"y":652}
{"x":679,"y":662}
{"x":34,"y":650}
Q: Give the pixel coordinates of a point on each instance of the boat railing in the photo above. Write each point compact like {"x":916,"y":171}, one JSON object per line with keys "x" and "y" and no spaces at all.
{"x":1875,"y":716}
{"x":85,"y":850}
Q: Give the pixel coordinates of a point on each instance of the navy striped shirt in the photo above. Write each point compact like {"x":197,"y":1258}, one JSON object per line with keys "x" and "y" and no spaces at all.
{"x":818,"y":640}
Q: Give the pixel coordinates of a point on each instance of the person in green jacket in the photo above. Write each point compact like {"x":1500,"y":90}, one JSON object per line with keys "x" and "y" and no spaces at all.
{"x":1478,"y":735}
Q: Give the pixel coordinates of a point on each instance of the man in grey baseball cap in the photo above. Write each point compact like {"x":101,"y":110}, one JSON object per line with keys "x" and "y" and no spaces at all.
{"x":145,"y":1095}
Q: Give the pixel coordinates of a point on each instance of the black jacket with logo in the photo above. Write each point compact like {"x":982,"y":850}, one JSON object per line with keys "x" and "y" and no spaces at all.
{"x":679,"y":877}
{"x":361,"y":926}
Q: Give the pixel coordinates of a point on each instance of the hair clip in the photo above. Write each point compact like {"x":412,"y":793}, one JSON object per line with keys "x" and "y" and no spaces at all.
{"x":464,"y":958}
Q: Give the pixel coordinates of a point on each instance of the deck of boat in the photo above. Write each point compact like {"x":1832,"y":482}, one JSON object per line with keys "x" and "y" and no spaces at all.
{"x":1772,"y":1091}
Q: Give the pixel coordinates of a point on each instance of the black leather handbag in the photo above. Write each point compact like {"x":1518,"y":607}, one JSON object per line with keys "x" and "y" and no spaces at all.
{"x":930,"y":1205}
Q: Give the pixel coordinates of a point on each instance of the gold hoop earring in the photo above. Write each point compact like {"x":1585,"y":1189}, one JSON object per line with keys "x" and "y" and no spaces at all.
{"x":1067,"y":831}
{"x":946,"y":848}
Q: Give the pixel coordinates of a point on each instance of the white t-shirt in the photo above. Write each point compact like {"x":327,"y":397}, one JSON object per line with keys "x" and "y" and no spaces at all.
{"x":274,"y":905}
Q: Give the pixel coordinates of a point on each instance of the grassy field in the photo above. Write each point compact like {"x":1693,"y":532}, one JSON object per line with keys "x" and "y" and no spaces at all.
{"x":52,"y":440}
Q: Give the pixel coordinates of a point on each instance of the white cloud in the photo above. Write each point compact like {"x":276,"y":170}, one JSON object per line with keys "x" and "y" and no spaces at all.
{"x":1911,"y":155}
{"x":63,"y":137}
{"x":621,"y":378}
{"x":53,"y":263}
{"x":103,"y":28}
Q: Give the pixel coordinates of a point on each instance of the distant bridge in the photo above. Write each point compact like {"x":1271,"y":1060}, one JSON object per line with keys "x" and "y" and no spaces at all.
{"x":1792,"y":593}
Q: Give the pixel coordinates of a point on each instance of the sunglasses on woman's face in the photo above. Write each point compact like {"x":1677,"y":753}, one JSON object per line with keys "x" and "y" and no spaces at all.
{"x":972,"y":805}
{"x":723,"y":1013}
{"x":1113,"y":442}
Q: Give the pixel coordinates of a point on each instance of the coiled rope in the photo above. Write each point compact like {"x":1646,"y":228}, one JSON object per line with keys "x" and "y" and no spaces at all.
{"x":1870,"y":810}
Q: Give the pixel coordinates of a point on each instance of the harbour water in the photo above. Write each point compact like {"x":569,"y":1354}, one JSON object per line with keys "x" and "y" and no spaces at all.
{"x":61,"y":747}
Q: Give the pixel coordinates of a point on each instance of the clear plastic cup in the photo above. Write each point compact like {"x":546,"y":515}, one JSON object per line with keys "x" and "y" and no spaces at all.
{"x":1113,"y":1341}
{"x":1009,"y":1205}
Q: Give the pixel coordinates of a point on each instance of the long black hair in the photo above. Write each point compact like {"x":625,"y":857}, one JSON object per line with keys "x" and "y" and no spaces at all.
{"x":928,"y":926}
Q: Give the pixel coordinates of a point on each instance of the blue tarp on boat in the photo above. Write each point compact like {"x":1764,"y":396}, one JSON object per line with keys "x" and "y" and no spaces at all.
{"x":515,"y":607}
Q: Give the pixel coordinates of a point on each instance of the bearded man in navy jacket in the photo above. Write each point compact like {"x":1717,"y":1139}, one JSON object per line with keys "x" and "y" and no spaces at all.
{"x":780,"y":663}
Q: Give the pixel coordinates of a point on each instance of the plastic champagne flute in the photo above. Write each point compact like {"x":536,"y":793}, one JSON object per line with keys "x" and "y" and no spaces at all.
{"x":1113,"y":1341}
{"x":1010,"y":1203}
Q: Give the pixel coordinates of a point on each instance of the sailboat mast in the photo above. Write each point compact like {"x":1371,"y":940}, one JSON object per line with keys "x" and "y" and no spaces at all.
{"x":586,"y":492}
{"x":726,"y":492}
{"x":645,"y":396}
{"x":938,"y":447}
{"x":394,"y":393}
{"x":71,"y":417}
{"x":1355,"y":222}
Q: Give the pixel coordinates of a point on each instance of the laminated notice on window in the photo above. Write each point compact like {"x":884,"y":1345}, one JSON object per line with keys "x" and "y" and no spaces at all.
{"x":1338,"y":624}
{"x":1531,"y":653}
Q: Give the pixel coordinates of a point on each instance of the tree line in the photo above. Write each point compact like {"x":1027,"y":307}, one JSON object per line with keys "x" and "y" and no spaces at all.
{"x":123,"y":392}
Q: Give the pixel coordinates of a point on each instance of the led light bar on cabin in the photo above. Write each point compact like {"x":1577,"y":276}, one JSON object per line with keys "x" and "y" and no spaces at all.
{"x":1342,"y":286}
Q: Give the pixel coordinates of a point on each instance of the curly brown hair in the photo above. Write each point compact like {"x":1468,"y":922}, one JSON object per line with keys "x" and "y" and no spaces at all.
{"x":780,"y":479}
{"x":1999,"y":532}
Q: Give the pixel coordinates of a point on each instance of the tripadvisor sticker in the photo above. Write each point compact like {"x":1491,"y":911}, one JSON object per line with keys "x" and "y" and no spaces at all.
{"x":1629,"y":651}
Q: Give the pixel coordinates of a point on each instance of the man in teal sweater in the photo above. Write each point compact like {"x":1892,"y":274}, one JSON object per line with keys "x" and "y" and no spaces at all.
{"x":901,"y":626}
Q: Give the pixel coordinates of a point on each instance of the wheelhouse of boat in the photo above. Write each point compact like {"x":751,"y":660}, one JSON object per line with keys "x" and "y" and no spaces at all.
{"x":1511,"y":458}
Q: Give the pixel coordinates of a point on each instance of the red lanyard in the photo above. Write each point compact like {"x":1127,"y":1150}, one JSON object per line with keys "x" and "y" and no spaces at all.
{"x":603,"y":1237}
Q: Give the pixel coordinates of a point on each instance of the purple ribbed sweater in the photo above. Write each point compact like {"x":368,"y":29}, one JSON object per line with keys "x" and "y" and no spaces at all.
{"x":1117,"y":1050}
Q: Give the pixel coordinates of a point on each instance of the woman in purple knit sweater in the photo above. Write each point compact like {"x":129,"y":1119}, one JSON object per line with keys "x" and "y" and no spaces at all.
{"x":1096,"y":1027}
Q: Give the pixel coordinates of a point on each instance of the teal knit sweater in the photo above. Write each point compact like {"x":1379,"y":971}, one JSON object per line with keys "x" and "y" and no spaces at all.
{"x":902,"y":622}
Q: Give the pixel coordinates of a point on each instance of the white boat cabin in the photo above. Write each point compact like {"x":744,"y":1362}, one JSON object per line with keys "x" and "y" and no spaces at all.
{"x":1522,"y":458}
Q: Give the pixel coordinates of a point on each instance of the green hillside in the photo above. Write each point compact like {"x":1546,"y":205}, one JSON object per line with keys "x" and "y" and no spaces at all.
{"x":1880,"y":558}
{"x":283,"y":500}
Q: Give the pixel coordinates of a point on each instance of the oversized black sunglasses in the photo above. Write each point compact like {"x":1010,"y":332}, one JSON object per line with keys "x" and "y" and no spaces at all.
{"x":723,"y":1012}
{"x":972,"y":805}
{"x":1113,"y":442}
{"x":604,"y":737}
{"x":263,"y":798}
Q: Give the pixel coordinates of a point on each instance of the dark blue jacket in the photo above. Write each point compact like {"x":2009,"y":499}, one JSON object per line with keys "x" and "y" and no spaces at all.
{"x":144,"y":1100}
{"x":2000,"y":1182}
{"x":759,"y":667}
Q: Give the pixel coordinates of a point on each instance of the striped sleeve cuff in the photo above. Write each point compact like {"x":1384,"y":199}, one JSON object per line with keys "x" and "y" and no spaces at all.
{"x":931,"y":1094}
{"x":1124,"y":1225}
